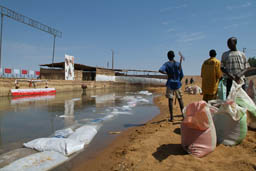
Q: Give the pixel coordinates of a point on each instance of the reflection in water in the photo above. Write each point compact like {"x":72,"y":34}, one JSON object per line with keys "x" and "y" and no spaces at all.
{"x":24,"y":99}
{"x":23,"y":119}
{"x":69,"y":112}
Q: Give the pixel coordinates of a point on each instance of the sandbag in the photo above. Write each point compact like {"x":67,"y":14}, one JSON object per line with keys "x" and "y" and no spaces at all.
{"x":243,"y":100}
{"x":84,"y":134}
{"x":230,"y":123}
{"x":198,"y":135}
{"x":222,"y":90}
{"x":39,"y":161}
{"x":193,"y":89}
{"x":63,"y":133}
{"x":61,"y":145}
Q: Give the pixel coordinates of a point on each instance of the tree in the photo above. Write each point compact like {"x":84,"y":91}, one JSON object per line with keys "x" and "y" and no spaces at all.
{"x":252,"y":61}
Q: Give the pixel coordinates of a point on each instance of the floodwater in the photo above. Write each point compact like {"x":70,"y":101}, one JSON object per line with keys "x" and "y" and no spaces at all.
{"x":26,"y":118}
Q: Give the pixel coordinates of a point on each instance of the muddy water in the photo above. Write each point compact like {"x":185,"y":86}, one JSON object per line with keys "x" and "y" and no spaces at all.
{"x":26,"y":118}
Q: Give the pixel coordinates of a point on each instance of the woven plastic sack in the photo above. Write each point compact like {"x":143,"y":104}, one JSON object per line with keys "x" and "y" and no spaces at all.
{"x":61,"y":145}
{"x":230,"y":123}
{"x":84,"y":134}
{"x":42,"y":161}
{"x":222,"y":89}
{"x":243,"y":100}
{"x":198,"y":135}
{"x":197,"y":115}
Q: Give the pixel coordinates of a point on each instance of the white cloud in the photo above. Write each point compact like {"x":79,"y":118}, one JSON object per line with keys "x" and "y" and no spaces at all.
{"x":165,"y":23}
{"x":231,"y":26}
{"x":173,"y":7}
{"x":238,"y":17}
{"x":170,"y":30}
{"x":245,"y":5}
{"x":187,"y":38}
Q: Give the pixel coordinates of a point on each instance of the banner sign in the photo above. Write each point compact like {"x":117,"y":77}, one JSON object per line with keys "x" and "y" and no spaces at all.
{"x":24,"y":71}
{"x":69,"y":67}
{"x":37,"y":73}
{"x":8,"y":70}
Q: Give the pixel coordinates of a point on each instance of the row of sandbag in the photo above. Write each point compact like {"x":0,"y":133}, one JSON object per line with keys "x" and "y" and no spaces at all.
{"x":217,"y":122}
{"x":54,"y":150}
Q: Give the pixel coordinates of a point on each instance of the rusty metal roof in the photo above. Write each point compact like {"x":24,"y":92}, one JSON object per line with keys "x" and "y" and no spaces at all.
{"x":91,"y":68}
{"x":76,"y":66}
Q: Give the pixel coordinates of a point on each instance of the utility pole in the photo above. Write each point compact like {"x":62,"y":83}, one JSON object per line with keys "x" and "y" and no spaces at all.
{"x":53,"y":49}
{"x":107,"y":64}
{"x":112,"y":59}
{"x":1,"y":38}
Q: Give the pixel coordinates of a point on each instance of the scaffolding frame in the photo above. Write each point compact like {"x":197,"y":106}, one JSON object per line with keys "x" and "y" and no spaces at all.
{"x":28,"y":21}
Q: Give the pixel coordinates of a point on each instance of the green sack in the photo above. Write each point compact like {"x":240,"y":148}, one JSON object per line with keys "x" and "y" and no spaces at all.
{"x":222,"y":89}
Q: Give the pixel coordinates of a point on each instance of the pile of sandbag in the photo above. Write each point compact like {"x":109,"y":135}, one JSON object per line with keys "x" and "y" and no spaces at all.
{"x":193,"y":89}
{"x":65,"y":141}
{"x":218,"y":121}
{"x":54,"y":150}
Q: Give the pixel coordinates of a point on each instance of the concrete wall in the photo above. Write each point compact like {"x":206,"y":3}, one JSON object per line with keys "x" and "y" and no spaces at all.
{"x":105,"y":77}
{"x":6,"y":84}
{"x":141,"y":80}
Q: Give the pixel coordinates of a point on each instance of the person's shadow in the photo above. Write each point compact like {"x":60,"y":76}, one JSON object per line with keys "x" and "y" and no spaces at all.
{"x":165,"y":150}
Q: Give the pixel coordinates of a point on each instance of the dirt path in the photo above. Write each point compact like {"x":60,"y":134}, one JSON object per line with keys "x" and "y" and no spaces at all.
{"x":156,"y":146}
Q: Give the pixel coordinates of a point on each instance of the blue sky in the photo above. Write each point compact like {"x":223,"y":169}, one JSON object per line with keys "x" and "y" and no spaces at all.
{"x":139,"y":31}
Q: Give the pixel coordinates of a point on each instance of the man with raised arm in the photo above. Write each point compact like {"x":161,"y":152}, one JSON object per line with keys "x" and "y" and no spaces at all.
{"x":174,"y":72}
{"x":233,"y":64}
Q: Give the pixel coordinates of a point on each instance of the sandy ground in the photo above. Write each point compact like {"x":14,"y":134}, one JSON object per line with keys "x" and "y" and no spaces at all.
{"x":156,"y":146}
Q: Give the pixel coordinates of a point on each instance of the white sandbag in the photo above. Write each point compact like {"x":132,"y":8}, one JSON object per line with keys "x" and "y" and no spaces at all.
{"x":63,"y":133}
{"x":197,"y":90}
{"x":61,"y":145}
{"x":84,"y":134}
{"x":230,"y":123}
{"x":145,"y":93}
{"x":193,"y":89}
{"x":39,"y":161}
{"x":243,"y":100}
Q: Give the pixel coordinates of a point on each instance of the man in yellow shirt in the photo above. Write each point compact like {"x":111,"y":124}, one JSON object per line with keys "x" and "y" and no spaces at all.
{"x":210,"y":73}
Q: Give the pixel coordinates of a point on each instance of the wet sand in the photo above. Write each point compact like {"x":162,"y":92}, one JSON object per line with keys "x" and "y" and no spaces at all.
{"x":156,"y":145}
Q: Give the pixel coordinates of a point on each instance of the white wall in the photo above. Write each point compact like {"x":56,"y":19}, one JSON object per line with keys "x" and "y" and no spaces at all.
{"x":104,"y":78}
{"x":141,"y":80}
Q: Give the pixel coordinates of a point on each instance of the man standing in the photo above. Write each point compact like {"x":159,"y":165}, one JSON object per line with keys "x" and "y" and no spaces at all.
{"x":174,"y":72}
{"x":233,"y":64}
{"x":210,"y":73}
